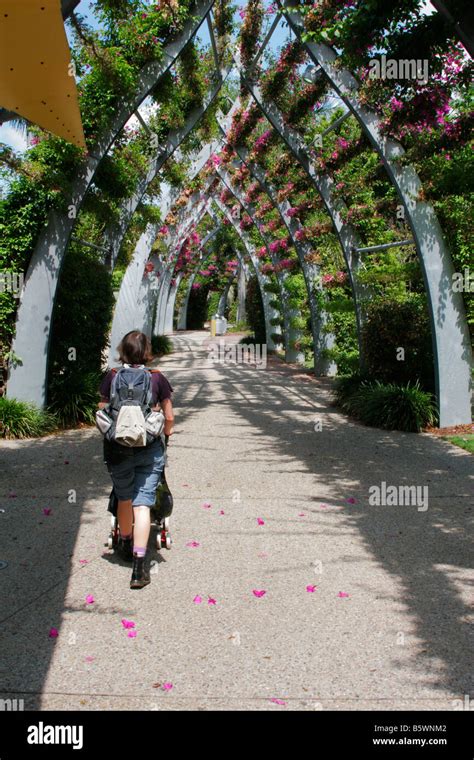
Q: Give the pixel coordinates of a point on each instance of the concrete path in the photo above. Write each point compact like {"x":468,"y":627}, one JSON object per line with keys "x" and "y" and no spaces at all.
{"x":275,"y":505}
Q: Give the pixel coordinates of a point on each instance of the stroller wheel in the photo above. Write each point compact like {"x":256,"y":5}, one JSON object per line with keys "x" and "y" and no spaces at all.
{"x":168,"y":542}
{"x":110,"y":542}
{"x":166,"y":523}
{"x":158,"y":541}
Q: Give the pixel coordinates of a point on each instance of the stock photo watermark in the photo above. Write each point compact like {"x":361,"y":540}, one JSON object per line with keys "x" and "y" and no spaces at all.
{"x":254,"y":353}
{"x":12,"y":282}
{"x":416,"y":69}
{"x":384,"y":495}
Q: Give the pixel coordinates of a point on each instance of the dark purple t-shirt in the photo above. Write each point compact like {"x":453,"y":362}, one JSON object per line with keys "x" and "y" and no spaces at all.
{"x":160,"y":386}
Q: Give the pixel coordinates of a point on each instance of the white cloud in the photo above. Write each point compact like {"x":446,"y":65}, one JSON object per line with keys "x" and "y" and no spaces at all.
{"x":13,"y":137}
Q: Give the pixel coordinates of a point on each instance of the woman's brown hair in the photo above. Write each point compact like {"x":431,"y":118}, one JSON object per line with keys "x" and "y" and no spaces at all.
{"x":135,"y":348}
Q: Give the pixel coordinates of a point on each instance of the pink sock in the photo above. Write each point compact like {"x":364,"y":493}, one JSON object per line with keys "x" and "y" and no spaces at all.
{"x":140,"y":551}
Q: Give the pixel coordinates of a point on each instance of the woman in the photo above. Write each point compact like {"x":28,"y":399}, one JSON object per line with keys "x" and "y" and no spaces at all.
{"x":136,"y":472}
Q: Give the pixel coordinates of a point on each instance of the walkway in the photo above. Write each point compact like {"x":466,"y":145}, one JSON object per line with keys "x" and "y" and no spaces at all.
{"x":274,"y":505}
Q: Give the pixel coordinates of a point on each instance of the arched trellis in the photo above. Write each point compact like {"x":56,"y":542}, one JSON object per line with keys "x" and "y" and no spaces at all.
{"x":450,"y":333}
{"x":183,"y":312}
{"x":27,"y":380}
{"x":289,"y":313}
{"x":269,"y":312}
{"x":322,"y":341}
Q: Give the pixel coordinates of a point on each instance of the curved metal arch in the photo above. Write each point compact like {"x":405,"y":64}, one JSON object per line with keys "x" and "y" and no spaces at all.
{"x":450,"y":334}
{"x":183,"y":312}
{"x":347,"y":236}
{"x":268,"y":310}
{"x":175,"y":137}
{"x":27,"y":381}
{"x":291,"y":355}
{"x":322,"y":340}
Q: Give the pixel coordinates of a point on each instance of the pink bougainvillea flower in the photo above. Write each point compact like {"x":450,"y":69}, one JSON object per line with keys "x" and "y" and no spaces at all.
{"x":211,"y":600}
{"x":53,"y":633}
{"x":132,"y":634}
{"x":197,"y":599}
{"x":90,"y":599}
{"x":185,"y":485}
{"x":351,"y":500}
{"x":342,"y":594}
{"x":311,"y":589}
{"x":260,"y":521}
{"x":301,"y":514}
{"x":89,"y":659}
{"x":277,"y":701}
{"x":83,"y":561}
{"x":167,"y":686}
{"x":323,"y":506}
{"x":206,"y":505}
{"x":193,"y":543}
{"x":258,"y":593}
{"x":128,"y":623}
{"x":47,"y":511}
{"x":222,"y":512}
{"x":263,"y":554}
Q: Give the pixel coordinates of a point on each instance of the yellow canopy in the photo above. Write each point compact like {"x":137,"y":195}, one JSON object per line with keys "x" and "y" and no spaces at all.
{"x":36,"y":76}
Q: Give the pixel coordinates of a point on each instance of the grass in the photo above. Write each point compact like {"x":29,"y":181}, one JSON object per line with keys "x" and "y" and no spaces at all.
{"x":464,"y":441}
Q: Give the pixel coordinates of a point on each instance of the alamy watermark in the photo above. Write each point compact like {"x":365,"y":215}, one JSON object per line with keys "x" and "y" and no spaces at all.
{"x":399,"y":496}
{"x":255,"y":353}
{"x":403,"y":68}
{"x":12,"y":282}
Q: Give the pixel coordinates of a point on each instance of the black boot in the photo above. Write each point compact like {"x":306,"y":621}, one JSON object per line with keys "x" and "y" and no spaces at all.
{"x":125,"y":548}
{"x":140,"y":573}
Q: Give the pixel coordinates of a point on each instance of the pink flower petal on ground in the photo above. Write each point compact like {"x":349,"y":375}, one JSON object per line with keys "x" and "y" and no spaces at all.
{"x":132,"y":634}
{"x":206,"y":505}
{"x":66,"y":461}
{"x":167,"y":686}
{"x":185,"y":485}
{"x":311,"y":589}
{"x":89,"y":659}
{"x":197,"y":599}
{"x":12,"y":495}
{"x":193,"y":543}
{"x":210,"y":600}
{"x":222,"y":512}
{"x":258,"y":593}
{"x":277,"y":701}
{"x":90,"y":599}
{"x":128,"y":623}
{"x":323,"y":506}
{"x":53,"y":633}
{"x":47,"y":511}
{"x":301,"y":514}
{"x":260,"y":521}
{"x":342,"y":594}
{"x":83,"y":561}
{"x":263,"y":554}
{"x":351,"y":500}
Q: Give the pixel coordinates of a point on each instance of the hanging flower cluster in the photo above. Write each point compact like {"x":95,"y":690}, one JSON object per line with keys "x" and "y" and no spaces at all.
{"x":334,"y":280}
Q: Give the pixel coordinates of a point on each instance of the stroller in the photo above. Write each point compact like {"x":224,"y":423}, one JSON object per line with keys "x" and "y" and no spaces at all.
{"x":160,"y":514}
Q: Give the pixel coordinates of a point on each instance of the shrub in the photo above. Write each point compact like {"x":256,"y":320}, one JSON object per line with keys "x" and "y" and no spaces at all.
{"x":161,"y":345}
{"x":19,"y":419}
{"x":74,"y":397}
{"x":390,"y":407}
{"x":393,"y":324}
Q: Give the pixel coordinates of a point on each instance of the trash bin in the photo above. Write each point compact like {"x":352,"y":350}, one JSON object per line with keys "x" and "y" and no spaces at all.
{"x":221,"y":325}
